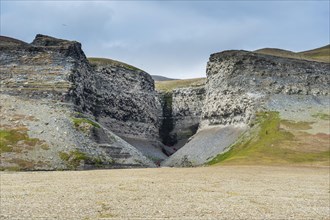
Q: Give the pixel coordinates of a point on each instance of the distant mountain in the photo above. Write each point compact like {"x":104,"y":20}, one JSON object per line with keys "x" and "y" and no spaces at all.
{"x":161,"y":78}
{"x":321,"y":54}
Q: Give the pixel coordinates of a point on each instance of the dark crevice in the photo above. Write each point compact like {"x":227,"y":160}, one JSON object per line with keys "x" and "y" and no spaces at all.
{"x":167,"y":122}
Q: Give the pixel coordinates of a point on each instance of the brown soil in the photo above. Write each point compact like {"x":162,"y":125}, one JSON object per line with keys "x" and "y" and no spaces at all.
{"x":229,"y":192}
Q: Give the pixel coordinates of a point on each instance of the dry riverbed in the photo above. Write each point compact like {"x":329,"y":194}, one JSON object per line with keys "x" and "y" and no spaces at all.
{"x":228,"y":192}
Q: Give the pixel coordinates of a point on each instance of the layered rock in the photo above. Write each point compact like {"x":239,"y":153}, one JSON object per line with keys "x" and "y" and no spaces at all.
{"x":37,"y":71}
{"x":61,"y":111}
{"x":182,"y":108}
{"x":50,"y":110}
{"x":187,"y":104}
{"x":239,"y":82}
{"x":126,"y":101}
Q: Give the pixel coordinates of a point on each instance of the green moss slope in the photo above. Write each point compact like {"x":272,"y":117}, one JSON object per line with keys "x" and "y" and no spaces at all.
{"x":268,"y":143}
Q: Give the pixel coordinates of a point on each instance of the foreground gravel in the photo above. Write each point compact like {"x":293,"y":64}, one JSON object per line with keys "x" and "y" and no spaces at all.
{"x":168,"y":193}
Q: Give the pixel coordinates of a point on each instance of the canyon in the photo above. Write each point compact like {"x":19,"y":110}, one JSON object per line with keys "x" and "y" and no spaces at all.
{"x":61,"y":110}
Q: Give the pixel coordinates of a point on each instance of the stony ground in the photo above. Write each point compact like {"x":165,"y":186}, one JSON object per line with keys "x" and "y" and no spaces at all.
{"x":228,"y":192}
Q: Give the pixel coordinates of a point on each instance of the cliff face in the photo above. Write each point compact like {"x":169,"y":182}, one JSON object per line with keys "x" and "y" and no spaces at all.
{"x":37,"y":71}
{"x":126,"y":101}
{"x":49,"y":110}
{"x":187,"y":104}
{"x":61,"y":111}
{"x":181,"y":114}
{"x":239,"y":82}
{"x":239,"y":85}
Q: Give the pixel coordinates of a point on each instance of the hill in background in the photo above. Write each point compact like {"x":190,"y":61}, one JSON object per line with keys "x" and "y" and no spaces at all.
{"x":167,"y":86}
{"x":161,"y":78}
{"x":321,"y":54}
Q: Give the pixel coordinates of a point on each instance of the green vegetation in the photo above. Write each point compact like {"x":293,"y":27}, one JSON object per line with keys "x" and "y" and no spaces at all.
{"x":279,"y":53}
{"x":104,"y":61}
{"x":11,"y":169}
{"x":78,"y":121}
{"x":84,"y":124}
{"x":167,"y":86}
{"x":10,"y":139}
{"x":73,"y":159}
{"x":268,"y":144}
{"x":322,"y":116}
{"x":64,"y":156}
{"x":23,"y":164}
{"x":321,"y":54}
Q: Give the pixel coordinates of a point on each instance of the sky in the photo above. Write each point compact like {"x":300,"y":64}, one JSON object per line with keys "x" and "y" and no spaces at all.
{"x":170,"y":38}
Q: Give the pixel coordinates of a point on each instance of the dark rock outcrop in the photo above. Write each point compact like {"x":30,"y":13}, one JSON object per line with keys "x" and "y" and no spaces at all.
{"x":125,"y":100}
{"x":60,"y":110}
{"x":187,"y":104}
{"x":182,"y":109}
{"x":52,"y":93}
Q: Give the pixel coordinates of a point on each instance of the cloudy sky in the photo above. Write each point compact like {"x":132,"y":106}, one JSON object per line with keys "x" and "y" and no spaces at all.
{"x":173,"y":38}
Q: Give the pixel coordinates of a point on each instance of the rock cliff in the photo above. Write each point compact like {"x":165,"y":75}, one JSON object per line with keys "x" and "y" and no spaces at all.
{"x":60,"y":110}
{"x":239,"y":85}
{"x":187,"y":104}
{"x":240,"y":81}
{"x":182,"y":108}
{"x":126,"y":101}
{"x":49,"y":110}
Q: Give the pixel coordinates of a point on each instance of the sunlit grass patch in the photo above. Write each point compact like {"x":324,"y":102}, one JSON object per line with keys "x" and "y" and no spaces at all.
{"x":168,"y":86}
{"x":105,"y":61}
{"x":10,"y":139}
{"x":267,"y":143}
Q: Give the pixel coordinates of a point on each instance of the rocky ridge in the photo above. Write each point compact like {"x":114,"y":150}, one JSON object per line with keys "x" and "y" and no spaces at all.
{"x":239,"y":81}
{"x":239,"y":85}
{"x":127,"y":103}
{"x":57,"y":126}
{"x":62,"y":111}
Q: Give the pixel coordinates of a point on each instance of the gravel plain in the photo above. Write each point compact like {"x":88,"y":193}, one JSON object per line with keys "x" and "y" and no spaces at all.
{"x":226,"y":192}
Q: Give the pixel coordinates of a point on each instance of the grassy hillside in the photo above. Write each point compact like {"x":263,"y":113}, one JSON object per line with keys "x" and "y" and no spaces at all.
{"x":161,"y":78}
{"x":8,"y":41}
{"x":321,"y":54}
{"x":279,"y":53}
{"x":182,"y":83}
{"x":105,"y":61}
{"x":275,"y":141}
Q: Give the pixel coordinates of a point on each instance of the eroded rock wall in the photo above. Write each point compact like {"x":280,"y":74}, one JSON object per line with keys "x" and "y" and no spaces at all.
{"x":239,"y":82}
{"x":49,"y":110}
{"x":187,"y":104}
{"x":37,"y":71}
{"x":126,"y":101}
